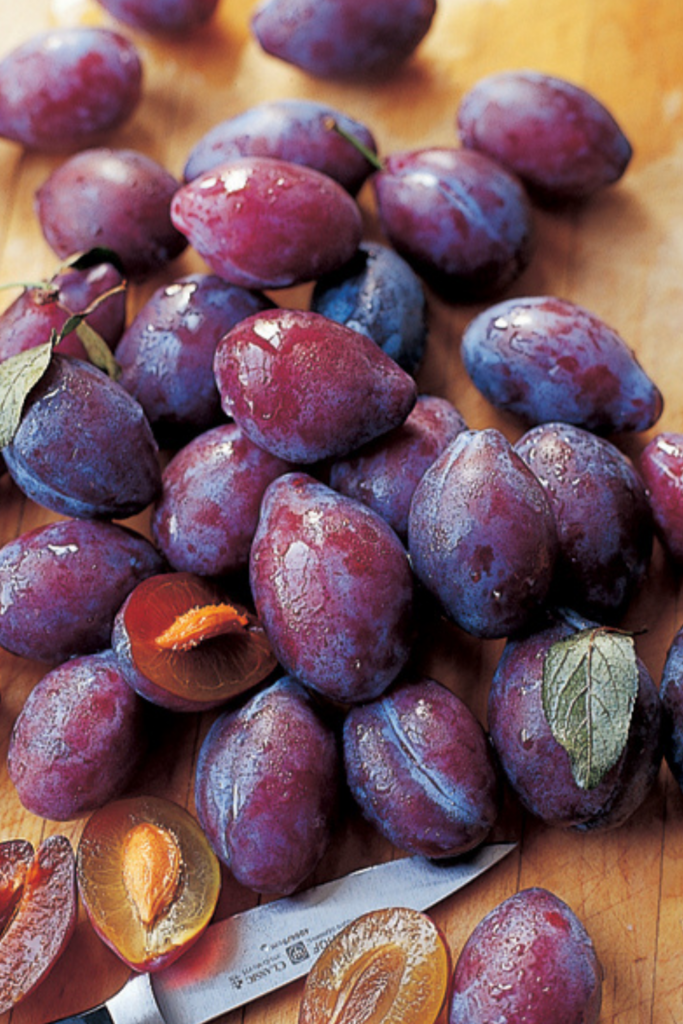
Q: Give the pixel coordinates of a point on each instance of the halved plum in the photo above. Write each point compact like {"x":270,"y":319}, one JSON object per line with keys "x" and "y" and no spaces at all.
{"x":184,"y":644}
{"x":38,"y":906}
{"x":148,"y":879}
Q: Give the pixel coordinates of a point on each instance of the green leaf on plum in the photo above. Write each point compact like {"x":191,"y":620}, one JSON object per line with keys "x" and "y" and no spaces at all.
{"x":18,"y":376}
{"x":590,"y":684}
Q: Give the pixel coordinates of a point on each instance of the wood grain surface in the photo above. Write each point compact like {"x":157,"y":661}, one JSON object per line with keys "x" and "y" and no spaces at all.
{"x":620,"y":255}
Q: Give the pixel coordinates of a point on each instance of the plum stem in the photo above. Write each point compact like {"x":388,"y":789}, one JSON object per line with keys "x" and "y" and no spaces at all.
{"x":332,"y":125}
{"x":200,"y":623}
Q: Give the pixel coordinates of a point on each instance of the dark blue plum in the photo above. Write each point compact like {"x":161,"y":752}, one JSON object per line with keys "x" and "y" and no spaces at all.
{"x":333,"y":589}
{"x":555,"y":135}
{"x":84,"y":447}
{"x":543,"y":358}
{"x":64,"y":88}
{"x":384,"y":474}
{"x":420,"y":767}
{"x":604,"y":523}
{"x":538,"y":768}
{"x":482,"y":535}
{"x":117,"y":198}
{"x":296,"y":130}
{"x":378,"y":294}
{"x":162,"y":17}
{"x":208,"y":511}
{"x":671,"y":694}
{"x":62,"y":585}
{"x":267,"y":786}
{"x":461,"y":220}
{"x":342,"y":38}
{"x":166,"y":354}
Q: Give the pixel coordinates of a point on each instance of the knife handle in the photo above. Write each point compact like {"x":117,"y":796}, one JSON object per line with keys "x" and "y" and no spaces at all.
{"x":98,"y":1015}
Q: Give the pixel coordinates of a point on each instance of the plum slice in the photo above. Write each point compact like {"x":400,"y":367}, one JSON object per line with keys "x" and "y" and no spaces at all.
{"x":183,"y":644}
{"x":38,"y":905}
{"x":148,"y":879}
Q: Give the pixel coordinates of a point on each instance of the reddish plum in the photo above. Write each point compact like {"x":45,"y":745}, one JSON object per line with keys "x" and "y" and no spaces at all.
{"x":482,"y":535}
{"x":603,"y":518}
{"x":260,"y":222}
{"x":544,"y":358}
{"x":166,"y":354}
{"x":118,"y":198}
{"x":661,"y":467}
{"x":342,"y":38}
{"x":296,"y":130}
{"x":84,"y":447}
{"x":384,"y":473}
{"x":72,"y":564}
{"x":555,"y":135}
{"x":306,"y":388}
{"x":267,"y":781}
{"x":529,"y":960}
{"x":78,"y":739}
{"x":64,"y":88}
{"x":333,"y":588}
{"x":459,"y":219}
{"x":207,"y":514}
{"x":419,"y":765}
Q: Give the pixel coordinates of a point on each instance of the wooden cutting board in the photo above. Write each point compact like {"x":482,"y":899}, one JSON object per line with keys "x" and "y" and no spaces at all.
{"x":620,"y":255}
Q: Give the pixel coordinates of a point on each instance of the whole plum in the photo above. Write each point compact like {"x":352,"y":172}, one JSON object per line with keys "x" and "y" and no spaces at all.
{"x":529,"y":960}
{"x":482,"y":535}
{"x":166,"y":354}
{"x":333,"y":588}
{"x":603,"y":518}
{"x":671,"y":694}
{"x":544,"y":358}
{"x":118,"y":198}
{"x":296,"y":130}
{"x":78,"y":739}
{"x":38,"y":311}
{"x":342,"y":38}
{"x":161,"y":16}
{"x":378,"y":294}
{"x":535,"y":764}
{"x":207,"y":514}
{"x":459,"y":219}
{"x":49,"y":572}
{"x":266,"y":789}
{"x":306,"y":388}
{"x":260,"y":222}
{"x":84,"y":447}
{"x":556,"y":136}
{"x":661,"y":467}
{"x":384,"y":473}
{"x":65,"y":87}
{"x":420,"y":767}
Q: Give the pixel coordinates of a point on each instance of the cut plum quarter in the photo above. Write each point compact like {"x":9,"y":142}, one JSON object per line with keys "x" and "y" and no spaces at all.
{"x":38,"y":904}
{"x":388,"y":965}
{"x":148,"y":879}
{"x":184,"y":644}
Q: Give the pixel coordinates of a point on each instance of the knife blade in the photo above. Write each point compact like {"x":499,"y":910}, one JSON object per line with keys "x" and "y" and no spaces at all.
{"x":260,"y":950}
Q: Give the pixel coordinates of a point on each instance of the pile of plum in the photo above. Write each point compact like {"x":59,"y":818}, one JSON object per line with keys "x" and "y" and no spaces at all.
{"x":315,"y":507}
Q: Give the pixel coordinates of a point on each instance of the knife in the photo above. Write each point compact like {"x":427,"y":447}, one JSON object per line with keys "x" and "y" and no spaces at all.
{"x":260,"y":950}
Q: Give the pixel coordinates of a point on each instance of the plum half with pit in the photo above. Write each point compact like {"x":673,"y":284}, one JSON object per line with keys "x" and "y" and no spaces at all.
{"x":80,"y":564}
{"x":184,"y":644}
{"x":148,"y":878}
{"x":333,"y":588}
{"x":482,"y":535}
{"x":529,"y":959}
{"x":420,"y":767}
{"x":78,"y":739}
{"x":306,"y":388}
{"x":267,"y":786}
{"x":38,"y":911}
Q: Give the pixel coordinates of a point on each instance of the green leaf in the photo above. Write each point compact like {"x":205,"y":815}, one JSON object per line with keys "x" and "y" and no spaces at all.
{"x":98,"y":351}
{"x":590,"y":684}
{"x":18,"y":376}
